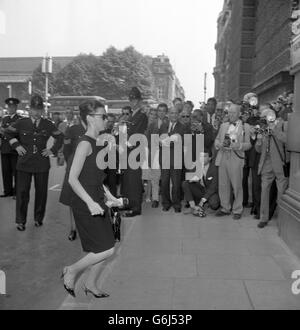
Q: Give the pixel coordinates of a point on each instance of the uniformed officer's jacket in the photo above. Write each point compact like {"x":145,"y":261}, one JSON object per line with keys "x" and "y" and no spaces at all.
{"x":72,"y":136}
{"x":34,"y":140}
{"x":138,"y":123}
{"x":6,"y":122}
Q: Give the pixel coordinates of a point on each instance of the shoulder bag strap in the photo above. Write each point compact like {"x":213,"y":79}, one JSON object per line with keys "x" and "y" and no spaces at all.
{"x":277,"y":147}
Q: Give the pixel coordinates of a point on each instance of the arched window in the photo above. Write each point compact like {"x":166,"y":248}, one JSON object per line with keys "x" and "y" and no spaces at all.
{"x":2,"y":22}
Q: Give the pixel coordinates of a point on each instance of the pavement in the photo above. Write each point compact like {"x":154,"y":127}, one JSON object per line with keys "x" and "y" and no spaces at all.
{"x":165,"y":261}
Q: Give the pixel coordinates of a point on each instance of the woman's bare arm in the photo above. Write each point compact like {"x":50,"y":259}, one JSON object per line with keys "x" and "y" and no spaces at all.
{"x":83,"y":150}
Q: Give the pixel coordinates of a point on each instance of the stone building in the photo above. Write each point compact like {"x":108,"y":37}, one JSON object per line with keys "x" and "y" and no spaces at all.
{"x":253,"y":49}
{"x":166,"y":83}
{"x":15,"y":72}
{"x":222,"y":49}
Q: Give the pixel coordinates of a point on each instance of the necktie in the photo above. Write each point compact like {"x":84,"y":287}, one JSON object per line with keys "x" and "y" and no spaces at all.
{"x":35,"y":124}
{"x":172,"y":128}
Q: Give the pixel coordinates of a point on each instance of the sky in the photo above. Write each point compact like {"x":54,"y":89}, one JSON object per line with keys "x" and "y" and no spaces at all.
{"x":184,"y":30}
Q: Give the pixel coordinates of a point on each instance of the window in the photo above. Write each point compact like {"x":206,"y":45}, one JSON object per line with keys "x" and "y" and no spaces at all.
{"x":160,"y":92}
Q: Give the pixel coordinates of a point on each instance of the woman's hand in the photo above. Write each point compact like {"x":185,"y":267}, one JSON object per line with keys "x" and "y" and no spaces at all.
{"x":95,"y":208}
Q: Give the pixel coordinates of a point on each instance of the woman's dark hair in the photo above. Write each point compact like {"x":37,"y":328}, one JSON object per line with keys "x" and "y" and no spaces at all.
{"x":127,"y":107}
{"x":88,"y":107}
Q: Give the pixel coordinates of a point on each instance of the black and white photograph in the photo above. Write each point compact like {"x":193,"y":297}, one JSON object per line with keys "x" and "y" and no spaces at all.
{"x":150,"y":157}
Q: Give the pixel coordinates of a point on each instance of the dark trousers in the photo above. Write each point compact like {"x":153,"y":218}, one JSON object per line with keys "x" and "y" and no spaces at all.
{"x":111,"y":181}
{"x":246,"y":171}
{"x":194,"y":191}
{"x":256,"y":190}
{"x":8,"y":164}
{"x":132,"y":188}
{"x":23,"y":195}
{"x":174,"y":176}
{"x":273,"y":199}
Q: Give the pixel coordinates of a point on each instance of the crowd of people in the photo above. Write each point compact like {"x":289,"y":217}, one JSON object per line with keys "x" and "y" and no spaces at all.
{"x":243,"y":142}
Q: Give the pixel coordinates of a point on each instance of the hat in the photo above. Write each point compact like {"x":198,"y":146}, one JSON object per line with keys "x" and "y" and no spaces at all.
{"x":135,"y":94}
{"x":37,"y":102}
{"x":12,"y":101}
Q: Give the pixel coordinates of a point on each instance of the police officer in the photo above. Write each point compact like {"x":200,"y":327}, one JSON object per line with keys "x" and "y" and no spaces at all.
{"x":132,"y":186}
{"x":8,"y":155}
{"x":29,"y":137}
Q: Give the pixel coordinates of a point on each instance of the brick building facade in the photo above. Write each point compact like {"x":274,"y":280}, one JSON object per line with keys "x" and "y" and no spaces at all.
{"x":257,"y":38}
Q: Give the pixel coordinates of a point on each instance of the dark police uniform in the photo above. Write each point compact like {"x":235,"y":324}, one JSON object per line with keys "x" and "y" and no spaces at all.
{"x":132,"y":184}
{"x":8,"y":158}
{"x":33,"y":137}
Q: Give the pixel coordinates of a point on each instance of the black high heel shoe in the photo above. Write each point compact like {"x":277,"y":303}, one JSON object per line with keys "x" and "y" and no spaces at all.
{"x":69,"y":290}
{"x":96,"y":295}
{"x":72,"y":236}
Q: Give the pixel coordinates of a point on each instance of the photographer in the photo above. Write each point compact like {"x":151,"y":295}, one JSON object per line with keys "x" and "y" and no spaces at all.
{"x":232,"y":141}
{"x":271,"y":145}
{"x":250,"y":116}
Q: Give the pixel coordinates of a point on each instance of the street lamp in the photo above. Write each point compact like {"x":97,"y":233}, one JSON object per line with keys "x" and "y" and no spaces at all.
{"x":47,"y":69}
{"x":9,"y":87}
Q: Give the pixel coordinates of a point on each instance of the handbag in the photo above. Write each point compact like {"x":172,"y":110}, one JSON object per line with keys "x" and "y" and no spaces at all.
{"x":115,"y":217}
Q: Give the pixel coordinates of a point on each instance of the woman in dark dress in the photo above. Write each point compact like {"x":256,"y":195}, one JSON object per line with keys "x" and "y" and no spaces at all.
{"x":72,"y":136}
{"x":88,"y":204}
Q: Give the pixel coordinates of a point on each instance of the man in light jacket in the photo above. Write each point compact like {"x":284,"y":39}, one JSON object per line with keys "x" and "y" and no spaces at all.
{"x":232,"y":141}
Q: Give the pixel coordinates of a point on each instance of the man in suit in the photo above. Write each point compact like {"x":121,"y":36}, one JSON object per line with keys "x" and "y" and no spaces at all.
{"x":178,"y":104}
{"x":210,"y":110}
{"x":199,"y":126}
{"x":232,"y":141}
{"x":171,"y":135}
{"x":29,"y":137}
{"x":9,"y":156}
{"x":272,"y":147}
{"x":202,"y":188}
{"x":132,"y":185}
{"x":155,"y":172}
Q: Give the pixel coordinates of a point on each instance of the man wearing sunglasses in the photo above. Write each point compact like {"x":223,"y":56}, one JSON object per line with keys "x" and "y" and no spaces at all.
{"x":185,"y":118}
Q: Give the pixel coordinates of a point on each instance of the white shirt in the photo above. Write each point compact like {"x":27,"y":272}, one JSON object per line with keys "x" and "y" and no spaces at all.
{"x":159,"y":122}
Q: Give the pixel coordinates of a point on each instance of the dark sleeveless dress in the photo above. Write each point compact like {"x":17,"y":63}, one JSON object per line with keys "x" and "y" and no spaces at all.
{"x":95,"y":232}
{"x":74,"y":133}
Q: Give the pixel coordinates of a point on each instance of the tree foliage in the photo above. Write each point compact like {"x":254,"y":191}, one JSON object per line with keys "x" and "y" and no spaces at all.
{"x":117,"y":71}
{"x":77,"y":77}
{"x":111,"y":75}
